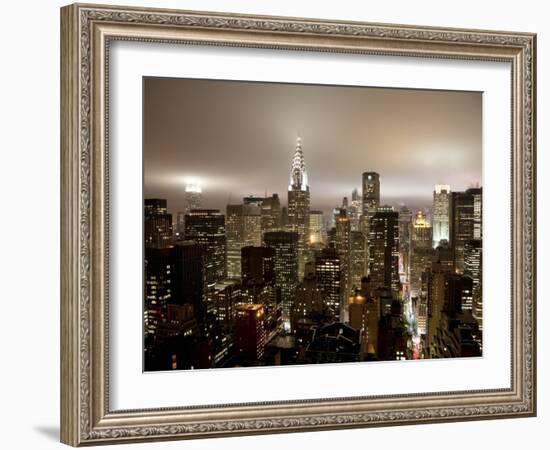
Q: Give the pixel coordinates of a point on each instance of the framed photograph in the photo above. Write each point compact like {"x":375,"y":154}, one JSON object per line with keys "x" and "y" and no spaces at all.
{"x":276,"y":225}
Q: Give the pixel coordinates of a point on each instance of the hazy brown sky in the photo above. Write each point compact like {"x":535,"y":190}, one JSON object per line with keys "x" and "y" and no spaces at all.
{"x":238,"y":138}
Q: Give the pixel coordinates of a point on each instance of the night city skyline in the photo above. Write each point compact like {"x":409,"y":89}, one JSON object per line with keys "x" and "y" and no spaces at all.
{"x":390,"y":269}
{"x":249,"y":130}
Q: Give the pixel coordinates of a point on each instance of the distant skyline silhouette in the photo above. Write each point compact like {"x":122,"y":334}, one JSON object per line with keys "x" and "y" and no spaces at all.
{"x":236,"y":139}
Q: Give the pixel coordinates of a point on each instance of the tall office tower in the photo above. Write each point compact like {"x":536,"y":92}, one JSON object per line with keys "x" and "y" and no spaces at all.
{"x":284,"y":217}
{"x":373,"y":317}
{"x":421,"y":236}
{"x":364,"y":316}
{"x":159,"y":273}
{"x":466,"y":221}
{"x":384,"y":249}
{"x":309,"y":297}
{"x":420,"y":304}
{"x":358,"y":317}
{"x":250,"y":336}
{"x":242,"y":227}
{"x":155,"y":207}
{"x":285,"y":244}
{"x":342,"y":244}
{"x":316,"y":227}
{"x":189,"y":276}
{"x":331,"y":237}
{"x":257,"y":266}
{"x":358,"y":252}
{"x":445,"y":255}
{"x":371,"y":193}
{"x":227,"y":295}
{"x":329,"y":278}
{"x":258,"y":285}
{"x":298,"y":204}
{"x":405,"y":223}
{"x":207,"y":227}
{"x":234,"y":229}
{"x":252,"y":234}
{"x":355,"y":210}
{"x":271,"y":214}
{"x":473,"y":267}
{"x":180,"y":224}
{"x":441,"y":213}
{"x":435,"y":286}
{"x":421,"y":251}
{"x":459,"y":294}
{"x":157,"y":226}
{"x":371,"y":202}
{"x":193,"y":194}
{"x":473,"y":259}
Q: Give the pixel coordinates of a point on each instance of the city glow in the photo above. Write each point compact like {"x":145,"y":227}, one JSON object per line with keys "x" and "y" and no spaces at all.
{"x":193,"y":186}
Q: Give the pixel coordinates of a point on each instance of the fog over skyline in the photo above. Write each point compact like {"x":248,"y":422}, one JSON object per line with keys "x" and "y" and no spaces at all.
{"x":238,"y":138}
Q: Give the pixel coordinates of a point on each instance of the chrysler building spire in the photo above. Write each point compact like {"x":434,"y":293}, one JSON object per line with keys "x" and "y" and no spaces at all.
{"x":298,"y":174}
{"x":298,"y":205}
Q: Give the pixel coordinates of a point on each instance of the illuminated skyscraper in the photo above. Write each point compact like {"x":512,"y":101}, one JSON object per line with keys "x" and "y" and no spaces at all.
{"x":207,"y":227}
{"x":298,"y":203}
{"x":371,"y":202}
{"x":358,"y":251}
{"x":159,"y":273}
{"x":234,"y":234}
{"x":285,"y":244}
{"x":371,"y":193}
{"x":473,"y":267}
{"x":243,"y":228}
{"x":250,"y":336}
{"x":355,"y":210}
{"x":405,"y":223}
{"x":435,"y":279}
{"x":157,"y":226}
{"x":473,"y":257}
{"x":259,"y":285}
{"x":316,"y":227}
{"x":342,"y":243}
{"x":193,"y":194}
{"x":421,"y":231}
{"x":421,"y":251}
{"x":227,"y":295}
{"x":466,"y":223}
{"x":441,"y":213}
{"x":384,"y":249}
{"x":329,"y":275}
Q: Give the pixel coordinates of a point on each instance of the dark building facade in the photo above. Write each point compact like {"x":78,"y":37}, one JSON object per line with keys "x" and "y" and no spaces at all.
{"x":157,"y":225}
{"x":285,"y":245}
{"x":465,"y":223}
{"x":384,"y":249}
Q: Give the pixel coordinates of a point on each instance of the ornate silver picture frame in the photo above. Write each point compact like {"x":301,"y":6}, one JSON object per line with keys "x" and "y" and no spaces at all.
{"x":87,"y":32}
